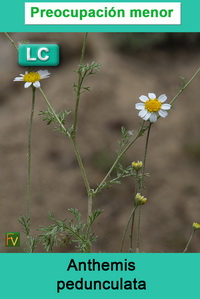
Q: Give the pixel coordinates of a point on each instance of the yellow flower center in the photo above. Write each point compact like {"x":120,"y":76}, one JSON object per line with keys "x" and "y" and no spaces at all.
{"x":32,"y":77}
{"x":153,"y":105}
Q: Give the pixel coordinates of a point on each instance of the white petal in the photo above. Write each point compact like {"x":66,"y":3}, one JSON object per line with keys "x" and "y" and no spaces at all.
{"x":27,"y":84}
{"x":152,"y":96}
{"x":153,"y":117}
{"x":22,"y":75}
{"x":36,"y":84}
{"x":40,"y":72}
{"x":143,"y":98}
{"x":142,"y":113}
{"x":18,"y":79}
{"x":162,"y":98}
{"x":146,"y":117}
{"x":139,"y":106}
{"x":166,"y":106}
{"x":162,"y":113}
{"x":43,"y":74}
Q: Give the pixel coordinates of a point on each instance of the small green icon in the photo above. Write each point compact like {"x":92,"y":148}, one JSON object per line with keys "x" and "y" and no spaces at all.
{"x":12,"y":239}
{"x":38,"y":55}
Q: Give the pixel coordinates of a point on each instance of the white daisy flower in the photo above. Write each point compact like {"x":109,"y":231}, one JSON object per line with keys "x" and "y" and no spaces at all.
{"x":33,"y":78}
{"x":152,"y":107}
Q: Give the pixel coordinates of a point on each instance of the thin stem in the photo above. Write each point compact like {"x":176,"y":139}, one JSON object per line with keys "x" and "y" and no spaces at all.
{"x":145,"y":156}
{"x":131,"y":233}
{"x":73,"y":135}
{"x":80,"y":81}
{"x":54,"y":113}
{"x":119,"y":157}
{"x":126,"y":228}
{"x":141,"y":187}
{"x":29,"y":155}
{"x":136,"y":183}
{"x":85,"y":179}
{"x":81,"y":166}
{"x":189,"y":241}
{"x":138,"y":230}
{"x":75,"y":149}
{"x":185,"y":86}
{"x":11,"y":40}
{"x":133,"y":217}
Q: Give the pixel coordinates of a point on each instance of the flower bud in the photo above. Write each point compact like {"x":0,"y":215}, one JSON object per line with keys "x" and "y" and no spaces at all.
{"x":140,"y":200}
{"x":137,"y":165}
{"x":196,"y":226}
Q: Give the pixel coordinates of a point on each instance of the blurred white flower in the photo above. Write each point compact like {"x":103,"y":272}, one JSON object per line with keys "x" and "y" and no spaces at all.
{"x":33,"y":78}
{"x":152,"y":107}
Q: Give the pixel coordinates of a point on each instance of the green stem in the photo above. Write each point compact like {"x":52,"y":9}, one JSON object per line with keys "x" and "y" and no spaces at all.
{"x":145,"y":156}
{"x":75,"y":149}
{"x":126,"y":228}
{"x":29,"y":155}
{"x":185,"y":86}
{"x":138,"y":230}
{"x":81,"y":166}
{"x":80,"y":81}
{"x":54,"y":113}
{"x":73,"y":141}
{"x":141,"y":187}
{"x":189,"y":241}
{"x":136,"y":182}
{"x":133,"y":217}
{"x":73,"y":135}
{"x":84,"y":176}
{"x":11,"y":40}
{"x":118,"y":158}
{"x":131,"y":233}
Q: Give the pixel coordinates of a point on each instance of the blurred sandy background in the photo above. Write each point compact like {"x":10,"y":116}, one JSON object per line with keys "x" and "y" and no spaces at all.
{"x":131,"y":65}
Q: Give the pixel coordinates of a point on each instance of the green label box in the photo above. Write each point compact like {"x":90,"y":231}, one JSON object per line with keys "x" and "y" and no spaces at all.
{"x":39,"y":55}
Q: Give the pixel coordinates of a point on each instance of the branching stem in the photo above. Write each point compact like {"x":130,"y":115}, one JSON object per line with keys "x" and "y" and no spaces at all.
{"x":118,"y":158}
{"x":54,"y":113}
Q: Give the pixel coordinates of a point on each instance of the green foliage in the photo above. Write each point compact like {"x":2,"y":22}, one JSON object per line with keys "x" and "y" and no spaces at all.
{"x":84,"y":71}
{"x":140,"y":180}
{"x":126,"y":138}
{"x":25,"y":222}
{"x":61,"y":233}
{"x":120,"y":173}
{"x":30,"y":242}
{"x":50,"y":117}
